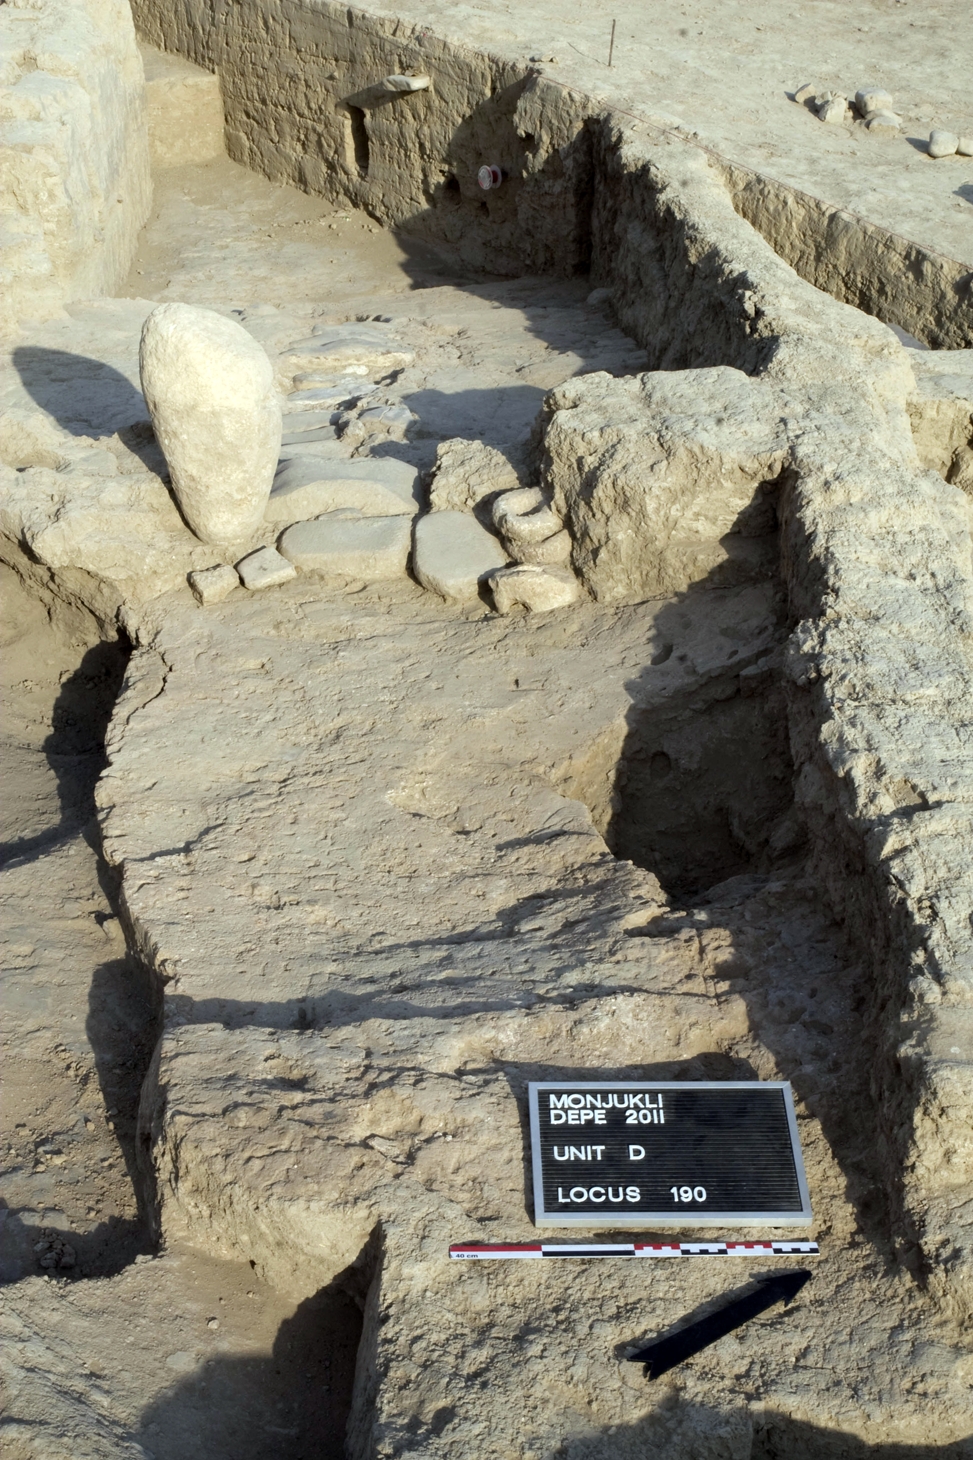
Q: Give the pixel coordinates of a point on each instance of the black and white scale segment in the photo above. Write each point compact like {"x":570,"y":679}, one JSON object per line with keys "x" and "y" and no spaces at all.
{"x":673,"y":1154}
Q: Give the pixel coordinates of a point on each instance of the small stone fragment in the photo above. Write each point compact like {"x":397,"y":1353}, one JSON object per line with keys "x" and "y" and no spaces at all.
{"x":210,"y":392}
{"x":961,"y":469}
{"x":538,"y":590}
{"x":265,"y":569}
{"x":805,"y":92}
{"x":553,"y":550}
{"x":873,"y":99}
{"x":943,"y":144}
{"x":964,"y":146}
{"x":453,"y":555}
{"x":884,"y":124}
{"x":212,"y":585}
{"x":317,"y":397}
{"x":393,"y":421}
{"x":525,"y":516}
{"x":350,"y":545}
{"x":406,"y":83}
{"x":468,"y":473}
{"x":835,"y":110}
{"x":313,"y":435}
{"x":182,"y":1361}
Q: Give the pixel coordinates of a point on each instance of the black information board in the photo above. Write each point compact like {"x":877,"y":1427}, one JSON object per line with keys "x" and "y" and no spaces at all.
{"x":673,"y":1154}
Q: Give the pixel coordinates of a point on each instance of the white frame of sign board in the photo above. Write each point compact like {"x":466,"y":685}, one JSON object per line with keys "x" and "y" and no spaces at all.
{"x":622,"y":1220}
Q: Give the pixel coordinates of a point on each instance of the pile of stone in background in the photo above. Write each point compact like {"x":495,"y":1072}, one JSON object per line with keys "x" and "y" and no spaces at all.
{"x":874,"y":108}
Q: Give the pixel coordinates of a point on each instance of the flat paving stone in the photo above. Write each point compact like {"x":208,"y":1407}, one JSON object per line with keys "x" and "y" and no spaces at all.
{"x":453,"y":554}
{"x":307,"y":486}
{"x":350,"y":544}
{"x":265,"y":569}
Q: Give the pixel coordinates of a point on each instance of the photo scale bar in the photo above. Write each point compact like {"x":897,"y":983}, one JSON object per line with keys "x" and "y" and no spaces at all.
{"x":478,"y":1251}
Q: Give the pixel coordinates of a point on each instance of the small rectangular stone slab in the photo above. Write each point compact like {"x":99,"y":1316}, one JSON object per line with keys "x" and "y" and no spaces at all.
{"x":265,"y":569}
{"x":320,"y":431}
{"x":350,"y":545}
{"x":212,"y":585}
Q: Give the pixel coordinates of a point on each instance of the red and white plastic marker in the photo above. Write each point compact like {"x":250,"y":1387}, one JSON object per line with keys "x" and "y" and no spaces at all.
{"x":479,"y":1251}
{"x":489,"y":177}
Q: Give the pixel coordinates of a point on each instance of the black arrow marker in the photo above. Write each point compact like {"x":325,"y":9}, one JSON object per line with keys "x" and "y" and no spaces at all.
{"x":666,"y":1353}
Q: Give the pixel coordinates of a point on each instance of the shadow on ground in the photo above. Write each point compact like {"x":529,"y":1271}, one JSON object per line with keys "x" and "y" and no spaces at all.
{"x":75,"y":747}
{"x":85,"y":396}
{"x":679,"y":1431}
{"x":290,"y":1405}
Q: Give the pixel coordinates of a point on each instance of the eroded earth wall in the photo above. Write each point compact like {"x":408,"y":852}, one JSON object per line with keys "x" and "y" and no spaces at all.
{"x":74,"y":159}
{"x":877,"y":561}
{"x":306,"y":103}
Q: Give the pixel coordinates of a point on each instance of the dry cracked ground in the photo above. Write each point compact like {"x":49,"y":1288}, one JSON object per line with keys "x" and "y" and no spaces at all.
{"x":379,"y":849}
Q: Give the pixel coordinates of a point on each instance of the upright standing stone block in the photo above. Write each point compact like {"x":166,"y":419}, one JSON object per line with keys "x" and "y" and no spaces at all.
{"x":210,"y":391}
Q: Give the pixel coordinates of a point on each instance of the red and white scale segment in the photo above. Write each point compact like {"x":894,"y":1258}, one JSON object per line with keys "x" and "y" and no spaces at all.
{"x":478,"y":1251}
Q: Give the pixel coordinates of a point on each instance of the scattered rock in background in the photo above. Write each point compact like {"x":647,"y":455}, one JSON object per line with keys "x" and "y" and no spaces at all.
{"x":54,"y":1252}
{"x":212,"y":585}
{"x":453,"y":555}
{"x":884,"y":124}
{"x":265,"y":569}
{"x":538,"y":590}
{"x":835,"y":110}
{"x":350,"y":545}
{"x":943,"y":144}
{"x":210,"y":391}
{"x":871,"y":99}
{"x":872,"y":104}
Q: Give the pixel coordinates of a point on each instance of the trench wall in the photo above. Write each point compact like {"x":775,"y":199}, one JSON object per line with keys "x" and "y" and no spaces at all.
{"x":74,"y":162}
{"x":876,"y":558}
{"x":305,"y":104}
{"x":928,"y":294}
{"x":876,"y":552}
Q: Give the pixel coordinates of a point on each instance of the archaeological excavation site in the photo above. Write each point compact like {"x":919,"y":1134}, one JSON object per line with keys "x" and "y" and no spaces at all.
{"x":485,"y":517}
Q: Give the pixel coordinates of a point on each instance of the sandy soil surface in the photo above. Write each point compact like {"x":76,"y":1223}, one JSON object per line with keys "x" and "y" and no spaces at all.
{"x":221,"y":235}
{"x":724,"y":71}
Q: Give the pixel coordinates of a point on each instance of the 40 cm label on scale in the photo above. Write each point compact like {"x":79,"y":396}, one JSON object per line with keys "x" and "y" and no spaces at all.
{"x":674,"y":1153}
